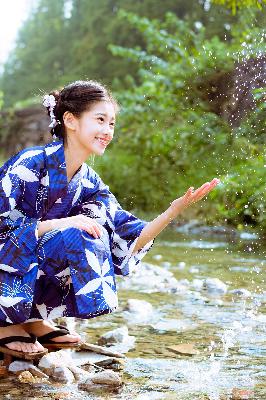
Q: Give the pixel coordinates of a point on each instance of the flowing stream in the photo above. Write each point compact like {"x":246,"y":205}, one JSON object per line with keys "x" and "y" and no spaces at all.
{"x":226,"y":324}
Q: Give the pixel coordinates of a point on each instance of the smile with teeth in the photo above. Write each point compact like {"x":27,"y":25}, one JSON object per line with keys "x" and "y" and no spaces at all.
{"x":102,"y":141}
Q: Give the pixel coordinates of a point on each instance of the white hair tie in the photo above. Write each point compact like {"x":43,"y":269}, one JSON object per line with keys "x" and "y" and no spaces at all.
{"x":49,"y":101}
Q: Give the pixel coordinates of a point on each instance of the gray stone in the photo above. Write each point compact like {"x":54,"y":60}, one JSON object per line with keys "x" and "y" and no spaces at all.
{"x":241,"y":292}
{"x":119,"y":335}
{"x":215,"y":286}
{"x":63,"y":374}
{"x":18,"y":366}
{"x":107,"y":377}
{"x":55,"y":359}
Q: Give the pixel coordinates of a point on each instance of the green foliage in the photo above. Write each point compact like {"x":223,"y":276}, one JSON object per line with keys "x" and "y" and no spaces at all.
{"x":166,"y":123}
{"x":66,"y":40}
{"x":1,"y":99}
{"x":235,"y":5}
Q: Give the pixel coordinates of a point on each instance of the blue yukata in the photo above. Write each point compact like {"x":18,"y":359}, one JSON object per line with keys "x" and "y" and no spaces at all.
{"x":66,"y":271}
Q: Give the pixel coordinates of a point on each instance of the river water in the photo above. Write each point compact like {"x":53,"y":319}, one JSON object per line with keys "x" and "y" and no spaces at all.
{"x":227,"y":329}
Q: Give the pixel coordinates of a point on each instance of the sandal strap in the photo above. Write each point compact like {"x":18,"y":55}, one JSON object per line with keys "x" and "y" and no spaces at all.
{"x":24,"y":339}
{"x":64,"y":328}
{"x":51,"y":335}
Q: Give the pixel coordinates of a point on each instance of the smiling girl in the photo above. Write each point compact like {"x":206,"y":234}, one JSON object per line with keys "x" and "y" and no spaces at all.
{"x":63,"y":234}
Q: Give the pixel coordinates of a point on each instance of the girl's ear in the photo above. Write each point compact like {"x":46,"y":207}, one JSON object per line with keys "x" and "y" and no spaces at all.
{"x":70,"y":120}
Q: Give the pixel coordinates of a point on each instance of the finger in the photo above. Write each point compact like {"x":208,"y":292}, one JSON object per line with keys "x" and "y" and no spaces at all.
{"x":98,"y":230}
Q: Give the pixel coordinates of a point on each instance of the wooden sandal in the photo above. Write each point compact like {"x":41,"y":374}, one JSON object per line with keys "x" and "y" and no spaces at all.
{"x":9,"y":353}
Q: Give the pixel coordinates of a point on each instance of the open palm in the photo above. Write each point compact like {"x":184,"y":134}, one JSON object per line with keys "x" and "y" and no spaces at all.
{"x":191,"y":196}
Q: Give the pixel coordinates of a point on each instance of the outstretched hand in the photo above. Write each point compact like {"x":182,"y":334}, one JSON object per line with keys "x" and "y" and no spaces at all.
{"x":191,"y":196}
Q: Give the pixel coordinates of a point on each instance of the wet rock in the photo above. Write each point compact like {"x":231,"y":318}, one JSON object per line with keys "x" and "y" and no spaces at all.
{"x":107,"y":377}
{"x":181,"y":265}
{"x":79,"y":373}
{"x":197,"y":284}
{"x":55,"y":359}
{"x":119,"y":335}
{"x":138,"y":311}
{"x":26,"y":377}
{"x":166,"y":264}
{"x":101,"y":350}
{"x":186,"y":349}
{"x":63,"y":374}
{"x":151,"y":278}
{"x":241,"y":292}
{"x":173,"y":325}
{"x":194,"y":270}
{"x":88,"y":358}
{"x":214,"y":286}
{"x":241,"y":394}
{"x":18,"y":366}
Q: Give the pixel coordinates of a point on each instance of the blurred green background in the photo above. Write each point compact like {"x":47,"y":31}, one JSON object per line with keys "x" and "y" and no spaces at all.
{"x":190,"y":79}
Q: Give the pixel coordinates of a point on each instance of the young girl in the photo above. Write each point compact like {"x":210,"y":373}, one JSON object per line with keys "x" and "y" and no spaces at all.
{"x":63,"y":235}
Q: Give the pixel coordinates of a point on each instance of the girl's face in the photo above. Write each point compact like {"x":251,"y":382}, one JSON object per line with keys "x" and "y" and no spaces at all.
{"x":95,"y":128}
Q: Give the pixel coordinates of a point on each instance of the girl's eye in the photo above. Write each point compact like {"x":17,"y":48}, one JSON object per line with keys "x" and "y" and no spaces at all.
{"x":101,"y":119}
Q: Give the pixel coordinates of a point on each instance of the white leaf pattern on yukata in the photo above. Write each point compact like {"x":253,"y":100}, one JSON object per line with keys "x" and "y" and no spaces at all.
{"x":7,"y":185}
{"x":24,"y":174}
{"x":52,"y":149}
{"x":7,"y":268}
{"x":12,"y":203}
{"x":57,"y":312}
{"x":88,"y":184}
{"x":77,"y":194}
{"x":42,"y":310}
{"x":45,"y":180}
{"x":109,"y":295}
{"x":95,"y":213}
{"x":27,"y":154}
{"x":119,"y":247}
{"x":8,"y":301}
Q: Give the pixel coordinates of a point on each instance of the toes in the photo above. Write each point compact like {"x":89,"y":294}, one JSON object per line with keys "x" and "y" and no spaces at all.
{"x":39,"y":346}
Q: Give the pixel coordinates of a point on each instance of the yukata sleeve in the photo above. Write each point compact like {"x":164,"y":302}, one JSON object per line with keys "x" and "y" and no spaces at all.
{"x":124,"y":228}
{"x":18,"y":231}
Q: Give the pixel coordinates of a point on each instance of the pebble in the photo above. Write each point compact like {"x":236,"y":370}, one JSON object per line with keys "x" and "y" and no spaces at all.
{"x":63,"y":374}
{"x":215,"y":286}
{"x":55,"y":359}
{"x":186,"y":349}
{"x":26,"y":377}
{"x":241,"y":292}
{"x":18,"y":366}
{"x":140,"y":307}
{"x":119,"y":335}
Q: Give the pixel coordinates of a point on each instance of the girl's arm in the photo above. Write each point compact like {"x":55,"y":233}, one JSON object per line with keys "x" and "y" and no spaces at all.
{"x":153,"y":228}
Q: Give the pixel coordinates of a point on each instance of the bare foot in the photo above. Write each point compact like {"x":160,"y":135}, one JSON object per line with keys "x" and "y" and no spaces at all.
{"x":39,"y":328}
{"x":17,"y":330}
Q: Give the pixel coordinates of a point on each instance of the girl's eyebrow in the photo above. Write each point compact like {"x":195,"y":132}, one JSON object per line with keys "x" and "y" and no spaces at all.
{"x":104,"y":114}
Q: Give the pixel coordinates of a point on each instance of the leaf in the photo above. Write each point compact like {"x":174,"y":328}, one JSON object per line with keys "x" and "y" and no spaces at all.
{"x":93,"y":262}
{"x":87,"y":183}
{"x":24,"y":174}
{"x":7,"y":185}
{"x":77,"y":195}
{"x":42,"y":310}
{"x":27,"y":154}
{"x":5,"y":267}
{"x":90,"y":286}
{"x":57,"y":312}
{"x":9,"y":301}
{"x":109,"y":296}
{"x":52,"y":149}
{"x":105,"y":267}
